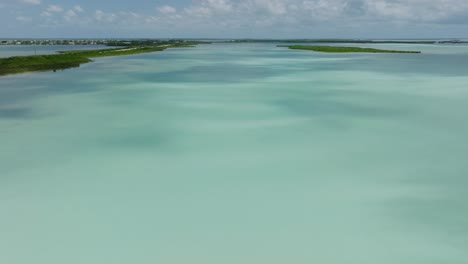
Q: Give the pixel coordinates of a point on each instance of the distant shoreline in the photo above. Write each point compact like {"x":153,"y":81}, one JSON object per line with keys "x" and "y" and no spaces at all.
{"x":92,"y":41}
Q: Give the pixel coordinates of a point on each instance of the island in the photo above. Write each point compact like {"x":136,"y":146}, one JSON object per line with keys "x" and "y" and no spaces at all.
{"x":341,"y":49}
{"x":74,"y":58}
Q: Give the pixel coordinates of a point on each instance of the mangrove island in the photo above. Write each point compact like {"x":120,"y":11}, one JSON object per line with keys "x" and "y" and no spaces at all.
{"x":340,"y":49}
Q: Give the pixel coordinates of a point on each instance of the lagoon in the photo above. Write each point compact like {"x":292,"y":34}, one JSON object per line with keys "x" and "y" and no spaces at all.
{"x":238,"y":153}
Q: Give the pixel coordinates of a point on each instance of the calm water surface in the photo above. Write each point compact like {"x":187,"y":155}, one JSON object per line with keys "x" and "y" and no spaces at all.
{"x":238,"y":154}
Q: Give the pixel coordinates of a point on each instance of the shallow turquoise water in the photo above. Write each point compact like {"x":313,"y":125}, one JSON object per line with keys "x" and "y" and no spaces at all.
{"x":238,"y":154}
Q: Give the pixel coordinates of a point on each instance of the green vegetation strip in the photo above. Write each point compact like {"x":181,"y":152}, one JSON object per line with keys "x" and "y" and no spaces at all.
{"x":338,"y":49}
{"x":20,"y":64}
{"x":72,"y":59}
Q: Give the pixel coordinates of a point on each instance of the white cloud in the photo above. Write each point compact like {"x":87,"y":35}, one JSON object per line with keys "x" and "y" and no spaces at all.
{"x":274,"y":7}
{"x":102,"y":16}
{"x":99,"y":15}
{"x":167,"y":9}
{"x":78,"y":8}
{"x":32,"y":2}
{"x":248,"y":13}
{"x":46,"y":14}
{"x":325,"y":10}
{"x":23,"y":19}
{"x":218,"y":5}
{"x":54,"y":9}
{"x":209,"y":8}
{"x":69,"y":15}
{"x":265,"y":16}
{"x":134,"y":15}
{"x":416,"y":10}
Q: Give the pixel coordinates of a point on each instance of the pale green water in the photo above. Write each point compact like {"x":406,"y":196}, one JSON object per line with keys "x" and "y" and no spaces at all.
{"x":238,"y":154}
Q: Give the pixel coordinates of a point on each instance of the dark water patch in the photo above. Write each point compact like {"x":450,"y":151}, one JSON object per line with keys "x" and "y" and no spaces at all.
{"x":228,"y":73}
{"x":14,"y":95}
{"x":438,"y":211}
{"x":23,"y":88}
{"x":144,"y":139}
{"x":127,"y":97}
{"x":17,"y":113}
{"x":322,"y":107}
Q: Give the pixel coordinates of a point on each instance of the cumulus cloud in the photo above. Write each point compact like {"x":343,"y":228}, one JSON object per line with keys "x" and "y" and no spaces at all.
{"x":271,"y":15}
{"x":32,"y":2}
{"x":167,"y":9}
{"x":273,"y":7}
{"x":287,"y":12}
{"x":23,"y":19}
{"x":102,"y":16}
{"x":46,"y":14}
{"x":54,"y":9}
{"x":78,"y":8}
{"x":209,"y":8}
{"x":217,"y":5}
{"x":70,"y":15}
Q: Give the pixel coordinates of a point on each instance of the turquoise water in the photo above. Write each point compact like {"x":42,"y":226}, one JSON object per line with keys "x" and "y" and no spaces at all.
{"x":238,"y":154}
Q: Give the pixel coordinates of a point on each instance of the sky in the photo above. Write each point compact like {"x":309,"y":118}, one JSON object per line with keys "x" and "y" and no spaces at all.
{"x":234,"y":19}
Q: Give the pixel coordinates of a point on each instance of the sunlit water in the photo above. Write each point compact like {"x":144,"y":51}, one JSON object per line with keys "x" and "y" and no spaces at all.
{"x":243,"y":153}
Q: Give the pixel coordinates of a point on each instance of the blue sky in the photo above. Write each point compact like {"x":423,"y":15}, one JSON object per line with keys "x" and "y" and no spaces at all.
{"x":235,"y":18}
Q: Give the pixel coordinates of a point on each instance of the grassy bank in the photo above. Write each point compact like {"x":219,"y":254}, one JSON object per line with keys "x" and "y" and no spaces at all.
{"x":74,"y":58}
{"x":22,"y":64}
{"x":338,"y":49}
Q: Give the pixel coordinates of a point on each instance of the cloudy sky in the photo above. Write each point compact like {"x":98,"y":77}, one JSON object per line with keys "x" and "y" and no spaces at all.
{"x":235,"y":18}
